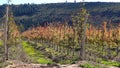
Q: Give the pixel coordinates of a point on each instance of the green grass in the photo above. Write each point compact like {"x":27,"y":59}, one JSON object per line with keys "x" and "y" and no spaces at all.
{"x":90,"y":65}
{"x":1,"y":42}
{"x":86,"y":65}
{"x":28,"y":49}
{"x":44,"y":61}
{"x":111,"y":63}
{"x":38,"y":57}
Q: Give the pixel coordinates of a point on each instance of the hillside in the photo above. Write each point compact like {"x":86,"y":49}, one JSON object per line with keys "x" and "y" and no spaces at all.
{"x":36,"y":14}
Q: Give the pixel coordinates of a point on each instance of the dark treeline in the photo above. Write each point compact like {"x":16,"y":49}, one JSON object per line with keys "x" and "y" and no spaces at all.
{"x":29,"y":15}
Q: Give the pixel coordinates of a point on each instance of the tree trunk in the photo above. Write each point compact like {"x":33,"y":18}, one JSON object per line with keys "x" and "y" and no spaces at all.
{"x":6,"y":35}
{"x":82,"y":51}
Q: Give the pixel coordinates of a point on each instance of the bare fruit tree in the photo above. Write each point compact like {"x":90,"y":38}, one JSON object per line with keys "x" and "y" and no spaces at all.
{"x":6,"y":32}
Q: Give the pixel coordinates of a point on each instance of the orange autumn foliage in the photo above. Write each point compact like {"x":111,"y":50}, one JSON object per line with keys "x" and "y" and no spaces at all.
{"x":54,"y":32}
{"x":57,"y":32}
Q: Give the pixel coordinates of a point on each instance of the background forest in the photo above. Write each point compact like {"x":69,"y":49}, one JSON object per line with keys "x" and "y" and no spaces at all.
{"x":29,"y":15}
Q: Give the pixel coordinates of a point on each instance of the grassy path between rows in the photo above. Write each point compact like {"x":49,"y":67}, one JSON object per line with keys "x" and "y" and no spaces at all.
{"x":34,"y":54}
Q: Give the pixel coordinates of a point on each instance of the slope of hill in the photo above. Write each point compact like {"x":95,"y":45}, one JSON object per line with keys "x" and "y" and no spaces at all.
{"x":30,"y":15}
